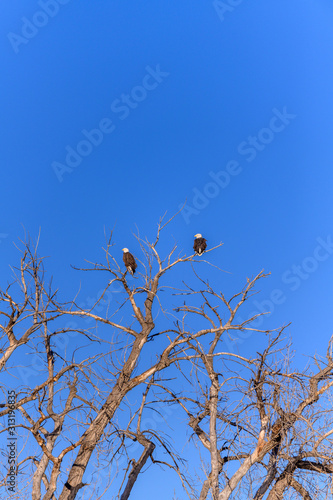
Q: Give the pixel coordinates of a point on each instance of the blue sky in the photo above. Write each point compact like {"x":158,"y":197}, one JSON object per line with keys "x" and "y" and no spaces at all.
{"x":243,"y":96}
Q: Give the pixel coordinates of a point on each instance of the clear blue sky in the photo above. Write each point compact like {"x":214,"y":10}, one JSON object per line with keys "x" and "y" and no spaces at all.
{"x":184,"y":96}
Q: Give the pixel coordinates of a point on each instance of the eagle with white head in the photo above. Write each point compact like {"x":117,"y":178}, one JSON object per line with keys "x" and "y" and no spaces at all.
{"x":129,"y":261}
{"x":200,"y":244}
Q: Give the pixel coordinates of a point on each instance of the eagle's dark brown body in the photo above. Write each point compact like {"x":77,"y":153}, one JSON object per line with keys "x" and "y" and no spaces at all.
{"x":129,"y":262}
{"x":200,"y":245}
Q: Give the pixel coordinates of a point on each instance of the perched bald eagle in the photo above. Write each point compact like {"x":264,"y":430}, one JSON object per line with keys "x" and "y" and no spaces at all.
{"x":200,"y":244}
{"x":129,"y":261}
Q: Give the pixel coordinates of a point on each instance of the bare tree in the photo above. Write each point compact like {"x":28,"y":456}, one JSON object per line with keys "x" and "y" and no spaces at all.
{"x":260,"y":427}
{"x":262,"y":424}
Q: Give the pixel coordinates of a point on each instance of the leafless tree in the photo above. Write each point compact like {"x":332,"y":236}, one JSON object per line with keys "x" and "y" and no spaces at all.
{"x":103,"y":370}
{"x":262,"y":424}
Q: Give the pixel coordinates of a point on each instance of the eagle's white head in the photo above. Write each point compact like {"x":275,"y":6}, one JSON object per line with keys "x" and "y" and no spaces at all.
{"x":198,"y":235}
{"x":125,"y":250}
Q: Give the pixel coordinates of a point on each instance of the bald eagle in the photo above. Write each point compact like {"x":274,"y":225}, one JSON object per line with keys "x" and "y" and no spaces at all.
{"x":200,"y":244}
{"x":129,"y":261}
